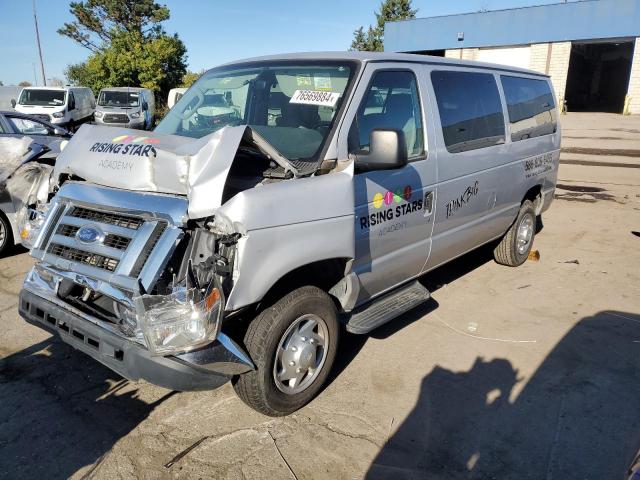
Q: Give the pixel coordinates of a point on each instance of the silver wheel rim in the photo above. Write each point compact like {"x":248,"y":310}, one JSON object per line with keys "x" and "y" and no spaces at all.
{"x":525,"y":234}
{"x":3,"y":234}
{"x":301,"y":354}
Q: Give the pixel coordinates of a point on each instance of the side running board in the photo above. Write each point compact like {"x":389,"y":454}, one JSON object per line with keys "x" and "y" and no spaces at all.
{"x":381,"y":310}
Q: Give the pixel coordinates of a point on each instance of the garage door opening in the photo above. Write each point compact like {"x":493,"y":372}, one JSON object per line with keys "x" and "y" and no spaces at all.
{"x":598,"y":76}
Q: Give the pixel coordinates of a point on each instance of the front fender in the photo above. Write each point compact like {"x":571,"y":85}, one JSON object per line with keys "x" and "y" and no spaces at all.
{"x":267,"y":255}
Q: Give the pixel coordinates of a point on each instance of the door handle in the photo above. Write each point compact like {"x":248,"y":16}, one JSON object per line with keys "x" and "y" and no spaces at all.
{"x":428,"y":203}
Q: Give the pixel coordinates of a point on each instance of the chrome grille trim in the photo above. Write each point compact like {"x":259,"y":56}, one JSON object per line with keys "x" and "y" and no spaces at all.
{"x":76,"y":255}
{"x":109,"y":218}
{"x":123,"y":257}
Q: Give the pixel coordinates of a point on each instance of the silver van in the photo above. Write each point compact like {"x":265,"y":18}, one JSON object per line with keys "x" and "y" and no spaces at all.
{"x":282,"y":199}
{"x":126,"y":107}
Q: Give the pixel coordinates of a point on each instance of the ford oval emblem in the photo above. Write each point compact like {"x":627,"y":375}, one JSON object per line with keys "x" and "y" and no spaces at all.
{"x":89,"y":234}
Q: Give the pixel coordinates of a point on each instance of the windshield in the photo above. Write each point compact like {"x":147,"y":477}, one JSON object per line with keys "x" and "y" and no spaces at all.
{"x":118,"y":99}
{"x":47,"y":98}
{"x":292,"y":106}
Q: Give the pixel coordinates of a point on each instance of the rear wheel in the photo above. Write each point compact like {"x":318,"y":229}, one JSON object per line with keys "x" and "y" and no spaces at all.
{"x":516,"y":244}
{"x":293,"y":345}
{"x":6,"y":235}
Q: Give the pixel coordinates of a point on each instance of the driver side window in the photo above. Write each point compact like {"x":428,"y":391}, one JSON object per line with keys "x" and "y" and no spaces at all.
{"x":391,"y":103}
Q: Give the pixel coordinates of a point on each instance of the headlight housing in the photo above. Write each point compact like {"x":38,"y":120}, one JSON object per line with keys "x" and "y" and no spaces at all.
{"x":57,"y":114}
{"x":98,"y":114}
{"x":135,"y":115}
{"x":31,"y":224}
{"x":182,"y":321}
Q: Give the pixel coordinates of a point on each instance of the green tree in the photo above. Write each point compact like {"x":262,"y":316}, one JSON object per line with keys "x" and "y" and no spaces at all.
{"x":390,"y":11}
{"x":128,"y":46}
{"x":189,"y":78}
{"x":24,"y":83}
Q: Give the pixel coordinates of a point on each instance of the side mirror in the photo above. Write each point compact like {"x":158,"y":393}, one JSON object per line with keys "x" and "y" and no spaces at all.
{"x":387,"y":151}
{"x":145,"y":106}
{"x":60,"y":132}
{"x":13,"y":103}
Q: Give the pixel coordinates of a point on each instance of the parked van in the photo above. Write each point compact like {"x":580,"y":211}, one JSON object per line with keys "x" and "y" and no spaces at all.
{"x":126,"y":107}
{"x":175,"y":94}
{"x":237,"y":243}
{"x":67,"y":107}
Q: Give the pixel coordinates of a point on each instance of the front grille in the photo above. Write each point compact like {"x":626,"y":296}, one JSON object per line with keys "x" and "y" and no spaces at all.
{"x":106,"y":217}
{"x":128,"y":248}
{"x":116,"y":241}
{"x":67,"y":230}
{"x":148,"y":248}
{"x":115,"y":118}
{"x":76,"y":255}
{"x":41,"y":116}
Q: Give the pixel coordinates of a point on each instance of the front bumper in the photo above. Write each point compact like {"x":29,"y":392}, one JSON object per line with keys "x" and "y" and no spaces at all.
{"x":203,"y":369}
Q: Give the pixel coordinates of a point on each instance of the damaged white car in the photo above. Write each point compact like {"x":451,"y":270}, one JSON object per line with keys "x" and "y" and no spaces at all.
{"x":25,"y":168}
{"x":231,"y":243}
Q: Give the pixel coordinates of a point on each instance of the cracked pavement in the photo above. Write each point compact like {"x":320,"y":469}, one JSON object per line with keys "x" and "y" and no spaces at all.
{"x":529,"y":372}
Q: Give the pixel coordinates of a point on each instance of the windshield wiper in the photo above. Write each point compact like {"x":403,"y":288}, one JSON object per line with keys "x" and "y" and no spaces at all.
{"x":268,"y":149}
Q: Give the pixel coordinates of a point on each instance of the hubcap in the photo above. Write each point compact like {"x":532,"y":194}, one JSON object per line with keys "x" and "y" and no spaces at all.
{"x":3,"y":234}
{"x":525,"y":234}
{"x":301,"y":354}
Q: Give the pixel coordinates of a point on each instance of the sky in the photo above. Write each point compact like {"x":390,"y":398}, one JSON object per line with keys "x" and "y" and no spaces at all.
{"x":214,"y":31}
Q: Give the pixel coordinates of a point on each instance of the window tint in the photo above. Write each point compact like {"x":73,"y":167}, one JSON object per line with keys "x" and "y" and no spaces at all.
{"x":28,"y":127}
{"x":531,"y":107}
{"x":470,"y":109}
{"x":392,"y":102}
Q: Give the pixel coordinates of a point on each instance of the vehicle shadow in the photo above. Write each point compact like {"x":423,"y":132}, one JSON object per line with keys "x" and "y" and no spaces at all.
{"x":577,"y":417}
{"x":61,"y":411}
{"x":350,"y":344}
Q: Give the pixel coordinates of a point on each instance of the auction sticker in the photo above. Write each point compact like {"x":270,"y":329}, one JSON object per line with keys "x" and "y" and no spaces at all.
{"x":312,"y":97}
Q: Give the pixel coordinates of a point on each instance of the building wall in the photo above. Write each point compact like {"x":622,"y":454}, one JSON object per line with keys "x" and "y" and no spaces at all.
{"x":634,"y":81}
{"x":559,"y":68}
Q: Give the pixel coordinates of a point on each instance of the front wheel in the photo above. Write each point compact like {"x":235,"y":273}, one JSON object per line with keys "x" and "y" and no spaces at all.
{"x":293,"y":345}
{"x":516,"y":244}
{"x":6,"y":235}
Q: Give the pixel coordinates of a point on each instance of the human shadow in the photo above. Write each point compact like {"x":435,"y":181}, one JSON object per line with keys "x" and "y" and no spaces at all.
{"x":577,"y":417}
{"x":61,"y":411}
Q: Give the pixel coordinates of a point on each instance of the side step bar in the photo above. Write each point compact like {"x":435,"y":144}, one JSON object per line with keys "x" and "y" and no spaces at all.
{"x":381,"y":310}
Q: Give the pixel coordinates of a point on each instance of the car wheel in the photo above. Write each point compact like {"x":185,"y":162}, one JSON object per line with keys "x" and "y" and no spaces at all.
{"x":6,"y":235}
{"x":293,"y":345}
{"x":516,"y":244}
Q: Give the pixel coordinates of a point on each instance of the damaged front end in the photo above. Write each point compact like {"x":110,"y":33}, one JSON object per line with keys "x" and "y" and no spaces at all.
{"x":129,"y":279}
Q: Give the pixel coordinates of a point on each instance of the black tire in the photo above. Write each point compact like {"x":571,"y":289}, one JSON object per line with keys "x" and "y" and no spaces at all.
{"x":258,"y":388}
{"x":506,"y":253}
{"x":6,"y":240}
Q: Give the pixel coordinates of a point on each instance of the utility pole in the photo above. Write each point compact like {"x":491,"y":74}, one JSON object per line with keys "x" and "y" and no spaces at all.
{"x":35,"y":19}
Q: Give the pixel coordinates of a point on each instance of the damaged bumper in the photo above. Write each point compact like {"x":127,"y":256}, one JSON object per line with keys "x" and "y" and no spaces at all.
{"x":202,"y":369}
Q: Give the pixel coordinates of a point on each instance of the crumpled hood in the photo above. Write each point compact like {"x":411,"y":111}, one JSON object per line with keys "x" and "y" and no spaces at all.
{"x":148,"y":162}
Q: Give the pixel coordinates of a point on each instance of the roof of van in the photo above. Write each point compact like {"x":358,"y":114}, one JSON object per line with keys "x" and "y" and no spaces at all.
{"x":124,"y":89}
{"x":42,"y":87}
{"x":387,"y":57}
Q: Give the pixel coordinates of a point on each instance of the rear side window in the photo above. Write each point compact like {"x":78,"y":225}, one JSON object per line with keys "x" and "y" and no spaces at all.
{"x":470,"y":110}
{"x":531,"y":107}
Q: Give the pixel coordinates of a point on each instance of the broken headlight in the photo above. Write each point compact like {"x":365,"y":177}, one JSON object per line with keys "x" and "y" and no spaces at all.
{"x":31,"y":224}
{"x":185,"y":319}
